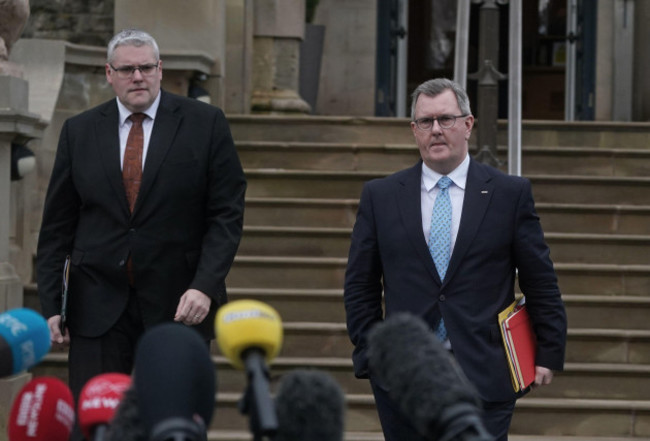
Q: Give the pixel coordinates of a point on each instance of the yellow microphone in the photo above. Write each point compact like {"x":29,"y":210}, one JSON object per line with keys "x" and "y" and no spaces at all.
{"x":249,"y":334}
{"x":245,"y":324}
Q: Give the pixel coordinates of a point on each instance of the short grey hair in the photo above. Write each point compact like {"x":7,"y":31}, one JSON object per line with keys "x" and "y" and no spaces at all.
{"x":131,"y":37}
{"x":435,"y":87}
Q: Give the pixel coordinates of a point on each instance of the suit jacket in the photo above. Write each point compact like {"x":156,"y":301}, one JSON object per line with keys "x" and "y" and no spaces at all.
{"x":184,"y":230}
{"x":499,"y":233}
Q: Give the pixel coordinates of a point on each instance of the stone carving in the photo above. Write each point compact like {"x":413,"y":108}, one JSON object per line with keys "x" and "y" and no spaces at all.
{"x":13,"y":17}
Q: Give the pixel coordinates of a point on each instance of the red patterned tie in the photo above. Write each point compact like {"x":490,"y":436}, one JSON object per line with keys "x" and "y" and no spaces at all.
{"x":132,"y":171}
{"x":132,"y":167}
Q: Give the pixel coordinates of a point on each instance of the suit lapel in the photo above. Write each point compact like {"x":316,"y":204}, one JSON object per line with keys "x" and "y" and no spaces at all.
{"x":163,"y":133}
{"x":108,"y":142}
{"x":409,"y":203}
{"x":478,"y":193}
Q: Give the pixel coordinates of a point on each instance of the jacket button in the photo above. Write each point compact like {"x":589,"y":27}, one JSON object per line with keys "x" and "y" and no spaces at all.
{"x":442,"y":298}
{"x":122,"y":262}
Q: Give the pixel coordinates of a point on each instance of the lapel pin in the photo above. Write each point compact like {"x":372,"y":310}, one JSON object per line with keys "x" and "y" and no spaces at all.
{"x":484,"y":191}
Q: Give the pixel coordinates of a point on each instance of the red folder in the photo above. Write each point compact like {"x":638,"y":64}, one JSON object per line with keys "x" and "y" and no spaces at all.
{"x":520,"y":344}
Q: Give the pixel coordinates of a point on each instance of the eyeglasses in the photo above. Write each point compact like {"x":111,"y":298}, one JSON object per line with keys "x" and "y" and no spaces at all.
{"x":128,"y":71}
{"x":445,"y":121}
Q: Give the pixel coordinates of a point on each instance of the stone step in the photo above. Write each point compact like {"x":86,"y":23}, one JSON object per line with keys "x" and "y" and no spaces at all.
{"x":360,"y":413}
{"x":222,"y":435}
{"x":341,"y":213}
{"x":326,"y":305}
{"x":301,"y":212}
{"x":327,"y":156}
{"x":335,"y":242}
{"x":594,"y":218}
{"x":606,"y":381}
{"x":393,"y":157}
{"x":582,"y":417}
{"x":332,"y":129}
{"x":585,"y":345}
{"x":533,"y":416}
{"x":607,"y":311}
{"x":371,"y":130}
{"x":614,"y":390}
{"x":590,"y":190}
{"x":298,"y":305}
{"x":348,"y":184}
{"x":329,"y":273}
{"x":295,"y":241}
{"x":286,"y":272}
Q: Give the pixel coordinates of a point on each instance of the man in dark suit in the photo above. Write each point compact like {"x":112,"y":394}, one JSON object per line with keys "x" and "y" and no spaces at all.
{"x":494,"y":236}
{"x":147,"y":198}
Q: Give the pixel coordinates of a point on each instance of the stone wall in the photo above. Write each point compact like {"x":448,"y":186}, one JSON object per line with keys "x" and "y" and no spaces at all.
{"x":87,"y":22}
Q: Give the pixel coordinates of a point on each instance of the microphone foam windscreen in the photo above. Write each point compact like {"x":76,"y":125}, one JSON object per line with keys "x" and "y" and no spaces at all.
{"x":126,"y":424}
{"x":174,"y":375}
{"x":245,"y":324}
{"x":24,"y":340}
{"x":422,"y":377}
{"x":310,"y":406}
{"x":99,"y":399}
{"x":42,"y":411}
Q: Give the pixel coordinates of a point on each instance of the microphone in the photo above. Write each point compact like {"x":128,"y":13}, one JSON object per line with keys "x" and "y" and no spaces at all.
{"x":310,"y":406}
{"x":424,"y":380}
{"x":98,"y":401}
{"x":42,"y":411}
{"x":175,"y":383}
{"x":24,"y":340}
{"x":249,"y":334}
{"x":127,"y":424}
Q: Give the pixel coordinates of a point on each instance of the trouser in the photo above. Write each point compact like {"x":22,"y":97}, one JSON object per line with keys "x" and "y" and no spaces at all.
{"x":397,"y":427}
{"x":112,"y":352}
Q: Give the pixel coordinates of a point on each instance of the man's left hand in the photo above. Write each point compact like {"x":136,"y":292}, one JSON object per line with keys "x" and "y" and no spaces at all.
{"x":193,"y":307}
{"x":543,"y":376}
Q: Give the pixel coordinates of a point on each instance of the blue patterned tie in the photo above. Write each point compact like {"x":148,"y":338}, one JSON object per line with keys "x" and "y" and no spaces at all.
{"x":440,"y":237}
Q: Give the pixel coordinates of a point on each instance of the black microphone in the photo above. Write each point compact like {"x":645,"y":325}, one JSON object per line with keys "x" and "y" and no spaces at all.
{"x":424,"y":380}
{"x":175,"y":382}
{"x":127,"y":424}
{"x":310,"y":406}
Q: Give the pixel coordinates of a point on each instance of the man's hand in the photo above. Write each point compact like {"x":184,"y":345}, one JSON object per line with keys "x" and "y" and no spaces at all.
{"x":193,"y":307}
{"x":543,"y":376}
{"x":54,"y":323}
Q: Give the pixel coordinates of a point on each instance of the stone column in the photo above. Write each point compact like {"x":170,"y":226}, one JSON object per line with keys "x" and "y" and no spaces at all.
{"x":279,"y":29}
{"x":15,"y":123}
{"x":191,"y":37}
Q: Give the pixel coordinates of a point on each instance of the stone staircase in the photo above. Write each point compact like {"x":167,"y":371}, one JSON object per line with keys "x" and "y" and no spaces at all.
{"x":591,"y":184}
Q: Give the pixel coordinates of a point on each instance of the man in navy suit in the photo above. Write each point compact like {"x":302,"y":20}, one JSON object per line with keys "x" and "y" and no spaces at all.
{"x":162,"y":254}
{"x":496,"y":237}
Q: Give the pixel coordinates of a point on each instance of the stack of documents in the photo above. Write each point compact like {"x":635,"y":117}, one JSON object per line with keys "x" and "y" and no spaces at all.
{"x":519,"y":343}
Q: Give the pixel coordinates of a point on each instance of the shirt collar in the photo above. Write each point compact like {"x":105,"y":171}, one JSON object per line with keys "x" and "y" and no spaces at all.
{"x":458,"y":175}
{"x":150,"y":112}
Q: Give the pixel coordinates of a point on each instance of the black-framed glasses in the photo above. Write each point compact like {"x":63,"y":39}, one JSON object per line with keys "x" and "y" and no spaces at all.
{"x":128,"y":71}
{"x":445,"y":121}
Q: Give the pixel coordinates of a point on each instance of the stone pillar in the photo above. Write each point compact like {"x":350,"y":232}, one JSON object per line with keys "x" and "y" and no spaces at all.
{"x":15,"y":123}
{"x":191,"y":37}
{"x":279,"y":29}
